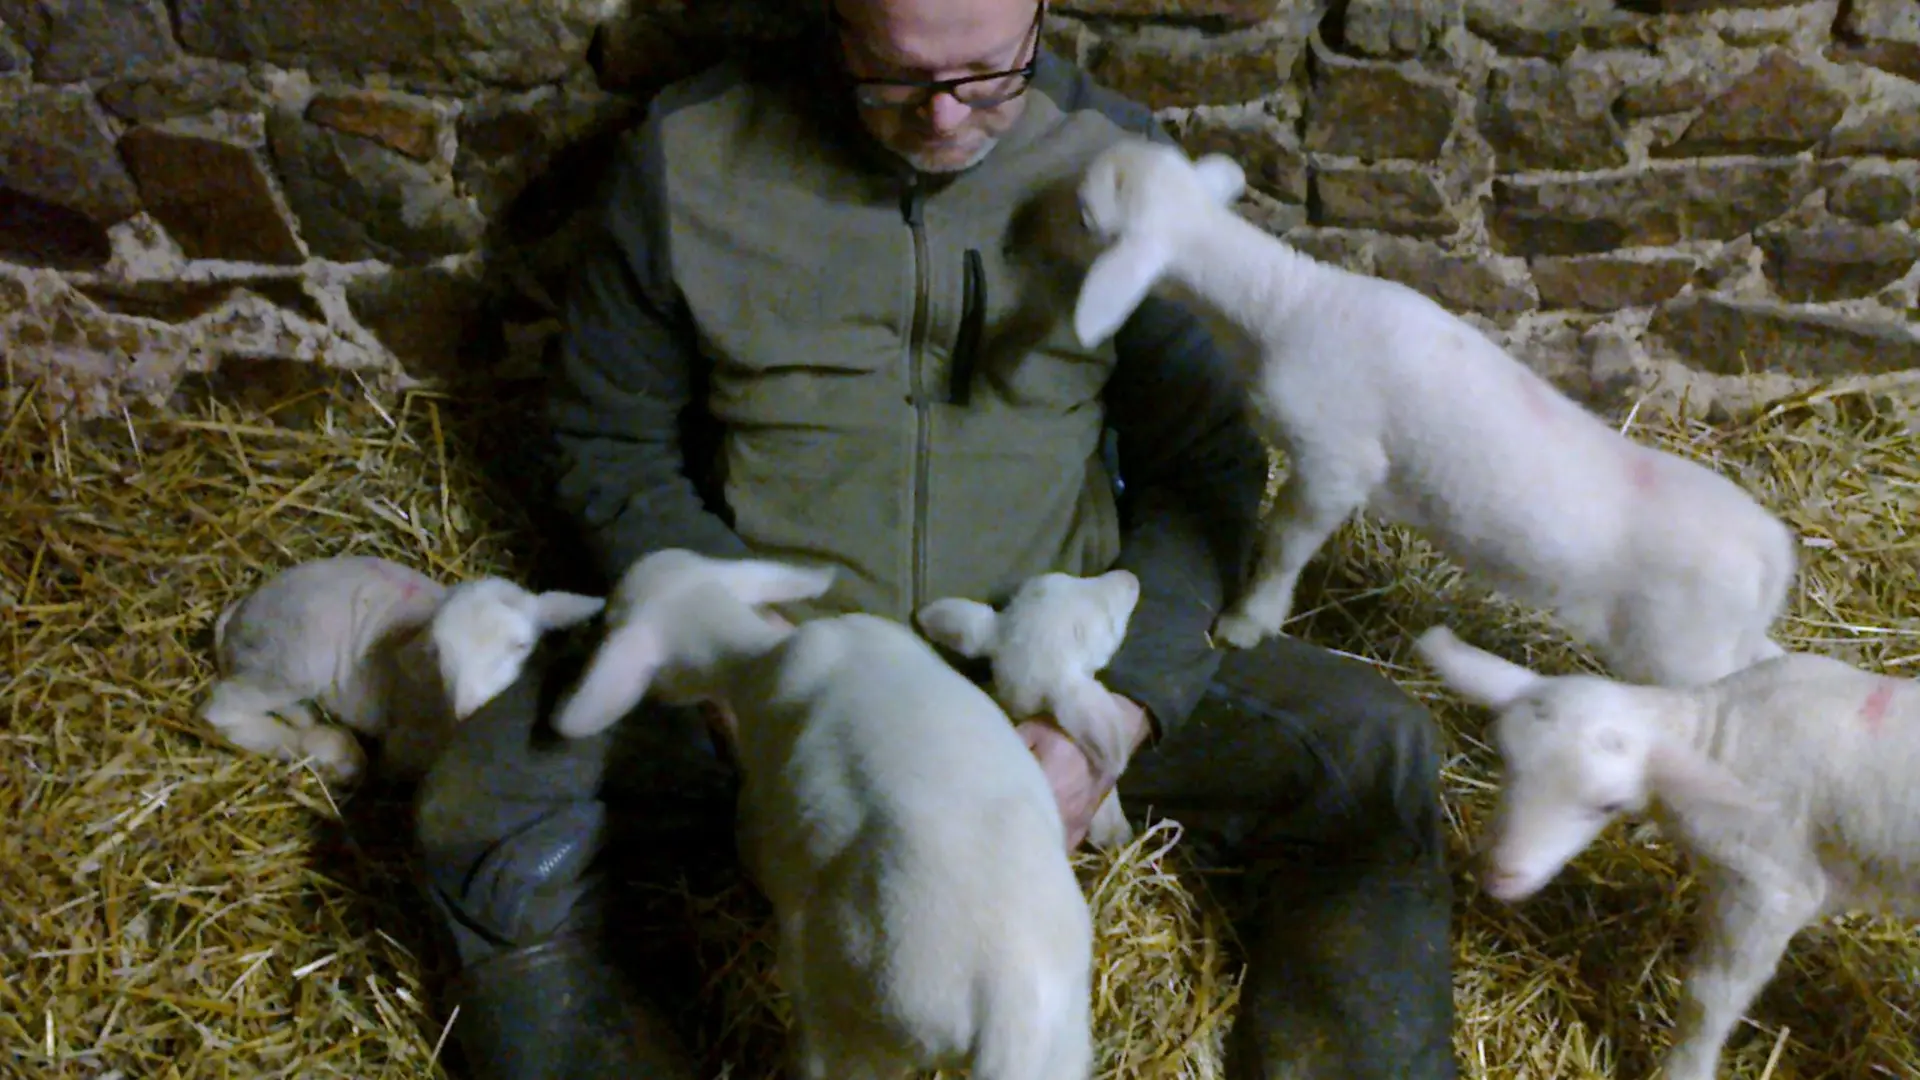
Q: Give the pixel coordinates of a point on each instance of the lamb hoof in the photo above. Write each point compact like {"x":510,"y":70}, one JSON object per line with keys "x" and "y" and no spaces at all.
{"x":1110,"y":838}
{"x":335,"y":753}
{"x":1237,"y":630}
{"x":1109,"y":830}
{"x":1682,"y":1065}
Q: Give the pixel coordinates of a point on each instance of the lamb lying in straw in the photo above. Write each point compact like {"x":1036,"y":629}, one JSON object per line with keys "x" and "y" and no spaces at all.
{"x":382,"y":648}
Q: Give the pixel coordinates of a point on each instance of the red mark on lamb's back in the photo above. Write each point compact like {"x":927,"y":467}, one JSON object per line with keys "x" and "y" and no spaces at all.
{"x":1873,"y":713}
{"x":409,"y":585}
{"x":1538,"y":402}
{"x":1643,"y":470}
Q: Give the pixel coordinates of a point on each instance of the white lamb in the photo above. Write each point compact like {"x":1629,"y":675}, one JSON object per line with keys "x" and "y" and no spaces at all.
{"x":1055,"y":635}
{"x":380,"y":647}
{"x":1789,"y":784}
{"x":1384,"y":400}
{"x":907,"y":839}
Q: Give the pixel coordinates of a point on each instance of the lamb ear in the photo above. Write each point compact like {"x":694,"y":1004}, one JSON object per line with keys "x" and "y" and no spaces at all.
{"x":1117,"y":281}
{"x":965,"y":626}
{"x":758,"y":582}
{"x":1123,"y":592}
{"x":559,"y":610}
{"x":1474,"y":674}
{"x":615,"y":681}
{"x":1222,"y":176}
{"x":1681,"y":775}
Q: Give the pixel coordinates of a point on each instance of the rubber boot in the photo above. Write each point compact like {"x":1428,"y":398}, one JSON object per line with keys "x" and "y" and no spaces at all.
{"x":540,"y":995}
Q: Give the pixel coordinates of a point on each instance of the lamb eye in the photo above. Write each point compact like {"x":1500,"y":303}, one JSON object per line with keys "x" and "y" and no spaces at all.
{"x":1612,"y":808}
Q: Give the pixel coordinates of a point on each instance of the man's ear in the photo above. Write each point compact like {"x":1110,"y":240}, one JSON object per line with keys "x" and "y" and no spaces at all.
{"x":965,"y":626}
{"x":1115,"y":284}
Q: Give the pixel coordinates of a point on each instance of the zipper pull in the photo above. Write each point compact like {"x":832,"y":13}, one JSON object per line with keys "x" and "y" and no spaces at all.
{"x":910,"y":201}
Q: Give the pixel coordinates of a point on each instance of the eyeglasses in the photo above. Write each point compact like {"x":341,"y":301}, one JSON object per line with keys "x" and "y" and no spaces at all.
{"x":974,"y":91}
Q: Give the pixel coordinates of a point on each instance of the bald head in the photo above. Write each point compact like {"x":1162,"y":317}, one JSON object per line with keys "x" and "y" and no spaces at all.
{"x":940,"y":38}
{"x":924,"y":40}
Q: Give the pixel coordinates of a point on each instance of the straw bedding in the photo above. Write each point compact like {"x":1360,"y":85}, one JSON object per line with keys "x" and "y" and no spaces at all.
{"x":171,"y":908}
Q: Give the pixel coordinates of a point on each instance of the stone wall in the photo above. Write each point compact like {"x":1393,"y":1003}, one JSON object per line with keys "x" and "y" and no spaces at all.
{"x":1630,"y":192}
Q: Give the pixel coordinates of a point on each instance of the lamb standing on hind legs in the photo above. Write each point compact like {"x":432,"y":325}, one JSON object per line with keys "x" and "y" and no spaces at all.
{"x":1384,"y":400}
{"x":1788,"y":784}
{"x":907,"y":839}
{"x":383,"y":648}
{"x":1055,"y":635}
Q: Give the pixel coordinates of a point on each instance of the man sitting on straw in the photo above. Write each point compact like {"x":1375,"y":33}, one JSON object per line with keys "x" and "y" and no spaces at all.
{"x":798,"y":334}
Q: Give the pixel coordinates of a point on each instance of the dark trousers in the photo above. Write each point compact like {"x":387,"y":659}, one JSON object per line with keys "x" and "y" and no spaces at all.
{"x":1306,"y":771}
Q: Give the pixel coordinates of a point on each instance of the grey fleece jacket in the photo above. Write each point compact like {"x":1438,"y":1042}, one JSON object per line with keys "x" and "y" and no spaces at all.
{"x":782,"y":341}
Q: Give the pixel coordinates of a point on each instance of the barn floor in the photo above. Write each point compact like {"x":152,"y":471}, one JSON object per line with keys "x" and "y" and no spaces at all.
{"x":170,"y":908}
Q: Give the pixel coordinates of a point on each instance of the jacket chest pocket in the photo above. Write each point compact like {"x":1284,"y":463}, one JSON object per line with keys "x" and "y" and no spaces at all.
{"x":1015,"y":339}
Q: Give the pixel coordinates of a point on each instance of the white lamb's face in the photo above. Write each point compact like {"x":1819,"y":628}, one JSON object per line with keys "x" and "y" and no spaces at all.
{"x":1574,"y":757}
{"x":671,"y":612}
{"x":1136,"y":182}
{"x":1056,"y":631}
{"x":483,"y":635}
{"x":1111,"y":597}
{"x":486,"y":629}
{"x":1118,"y":188}
{"x":1102,"y":209}
{"x":1067,"y":617}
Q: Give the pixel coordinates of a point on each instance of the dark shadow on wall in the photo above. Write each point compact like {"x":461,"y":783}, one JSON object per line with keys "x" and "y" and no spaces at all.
{"x":53,"y":235}
{"x":540,"y":171}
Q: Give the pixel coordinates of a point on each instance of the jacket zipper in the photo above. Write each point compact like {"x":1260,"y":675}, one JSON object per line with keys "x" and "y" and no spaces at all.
{"x":910,"y":207}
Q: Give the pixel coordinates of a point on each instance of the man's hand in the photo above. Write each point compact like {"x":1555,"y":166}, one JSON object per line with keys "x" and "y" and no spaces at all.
{"x":1077,"y":786}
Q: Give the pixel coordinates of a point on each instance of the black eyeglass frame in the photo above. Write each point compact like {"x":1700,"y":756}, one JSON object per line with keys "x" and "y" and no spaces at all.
{"x":865,"y":89}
